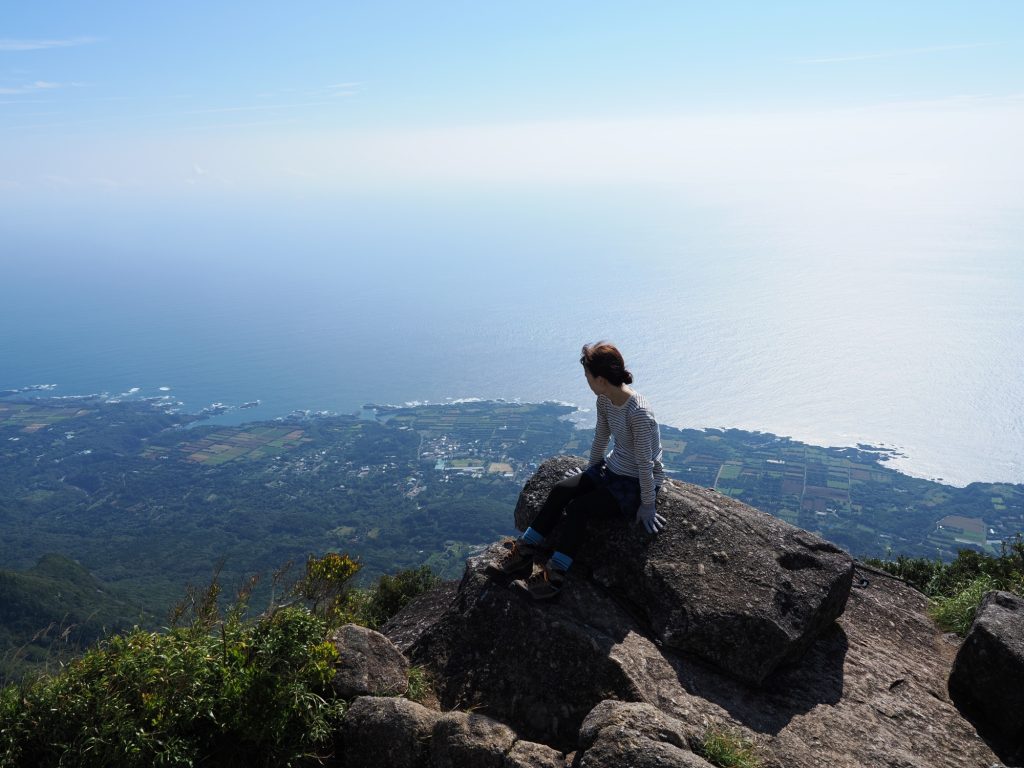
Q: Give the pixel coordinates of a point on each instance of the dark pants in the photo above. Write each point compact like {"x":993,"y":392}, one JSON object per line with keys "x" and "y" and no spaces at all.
{"x":582,"y":500}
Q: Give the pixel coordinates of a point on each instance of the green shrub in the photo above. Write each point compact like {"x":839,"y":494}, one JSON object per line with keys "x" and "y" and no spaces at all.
{"x":325,"y":582}
{"x":918,"y":572}
{"x":246,"y":694}
{"x":215,"y":689}
{"x":391,"y":594}
{"x":728,"y":748}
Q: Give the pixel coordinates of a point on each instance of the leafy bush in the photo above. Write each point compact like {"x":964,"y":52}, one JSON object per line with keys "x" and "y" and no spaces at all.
{"x":325,"y":582}
{"x":390,"y":595}
{"x":246,"y":694}
{"x":213,"y":689}
{"x":728,"y":749}
{"x":918,"y":572}
{"x":216,"y":688}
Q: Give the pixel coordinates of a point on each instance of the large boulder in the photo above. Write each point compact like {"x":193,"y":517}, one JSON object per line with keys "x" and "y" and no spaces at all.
{"x":540,"y":667}
{"x":727,"y":582}
{"x":368,"y":664}
{"x":987,"y":680}
{"x":387,"y":732}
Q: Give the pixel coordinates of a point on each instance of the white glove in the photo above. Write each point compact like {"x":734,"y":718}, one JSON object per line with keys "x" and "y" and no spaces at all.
{"x":652,"y":521}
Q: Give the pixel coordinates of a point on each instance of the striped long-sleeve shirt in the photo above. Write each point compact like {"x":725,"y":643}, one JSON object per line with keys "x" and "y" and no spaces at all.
{"x":637,"y":448}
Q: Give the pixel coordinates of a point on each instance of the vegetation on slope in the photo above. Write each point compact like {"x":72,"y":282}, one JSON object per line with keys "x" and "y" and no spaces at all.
{"x":56,"y":603}
{"x":216,"y":688}
{"x":956,"y":588}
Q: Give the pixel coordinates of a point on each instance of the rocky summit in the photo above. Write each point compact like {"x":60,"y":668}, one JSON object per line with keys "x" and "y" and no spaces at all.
{"x":727,"y":582}
{"x":727,"y":620}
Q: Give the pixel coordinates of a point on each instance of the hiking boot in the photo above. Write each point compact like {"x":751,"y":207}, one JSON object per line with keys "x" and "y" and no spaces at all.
{"x":544,"y":585}
{"x":517,"y":563}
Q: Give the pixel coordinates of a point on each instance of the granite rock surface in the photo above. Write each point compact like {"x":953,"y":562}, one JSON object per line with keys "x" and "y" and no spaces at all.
{"x":739,"y":588}
{"x":987,"y":679}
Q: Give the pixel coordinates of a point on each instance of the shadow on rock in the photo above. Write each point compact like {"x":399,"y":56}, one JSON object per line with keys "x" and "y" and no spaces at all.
{"x":790,"y":691}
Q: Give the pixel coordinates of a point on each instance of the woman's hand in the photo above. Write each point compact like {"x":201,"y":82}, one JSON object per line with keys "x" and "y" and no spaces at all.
{"x":652,"y":521}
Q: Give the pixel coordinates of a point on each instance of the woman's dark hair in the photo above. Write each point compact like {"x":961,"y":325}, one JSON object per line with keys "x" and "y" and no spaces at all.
{"x":604,"y":359}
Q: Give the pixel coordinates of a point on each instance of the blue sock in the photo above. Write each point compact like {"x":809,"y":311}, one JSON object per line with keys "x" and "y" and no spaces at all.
{"x":561,"y":561}
{"x":532,"y":537}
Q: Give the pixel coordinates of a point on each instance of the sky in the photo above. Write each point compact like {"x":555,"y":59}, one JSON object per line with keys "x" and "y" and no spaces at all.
{"x":229,"y":102}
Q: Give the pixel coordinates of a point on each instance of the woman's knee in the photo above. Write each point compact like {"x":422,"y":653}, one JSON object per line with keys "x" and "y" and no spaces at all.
{"x":578,"y":509}
{"x":596,"y":503}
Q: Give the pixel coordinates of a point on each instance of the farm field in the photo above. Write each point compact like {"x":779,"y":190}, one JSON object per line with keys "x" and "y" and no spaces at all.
{"x":226,"y":445}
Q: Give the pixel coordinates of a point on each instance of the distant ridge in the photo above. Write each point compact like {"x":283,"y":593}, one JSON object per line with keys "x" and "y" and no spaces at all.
{"x":55,"y":607}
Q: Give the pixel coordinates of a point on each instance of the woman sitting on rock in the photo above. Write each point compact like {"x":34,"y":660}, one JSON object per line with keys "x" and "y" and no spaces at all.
{"x":624,"y":483}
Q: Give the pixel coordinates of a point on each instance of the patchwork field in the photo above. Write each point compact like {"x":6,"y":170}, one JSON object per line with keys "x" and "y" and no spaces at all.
{"x":30,"y":417}
{"x":229,"y":444}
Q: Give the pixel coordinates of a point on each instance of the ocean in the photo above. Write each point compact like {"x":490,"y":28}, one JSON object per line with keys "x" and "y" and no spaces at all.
{"x":900,"y":330}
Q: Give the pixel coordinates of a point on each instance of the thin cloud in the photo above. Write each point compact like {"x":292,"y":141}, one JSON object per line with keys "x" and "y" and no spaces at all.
{"x":896,"y":54}
{"x":252,"y":108}
{"x":247,"y":124}
{"x":179,"y":113}
{"x":959,"y":103}
{"x":334,"y":90}
{"x":38,"y":85}
{"x":108,"y":183}
{"x":8,"y":44}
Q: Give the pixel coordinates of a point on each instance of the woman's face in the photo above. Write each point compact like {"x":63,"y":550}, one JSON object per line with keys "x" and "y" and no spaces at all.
{"x":592,"y":381}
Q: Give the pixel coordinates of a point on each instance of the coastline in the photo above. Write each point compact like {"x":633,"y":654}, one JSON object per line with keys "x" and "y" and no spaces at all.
{"x":889,"y":455}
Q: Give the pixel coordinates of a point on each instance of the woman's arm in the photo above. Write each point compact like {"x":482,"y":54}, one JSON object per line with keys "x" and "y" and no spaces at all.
{"x":602,"y":432}
{"x":645,"y":430}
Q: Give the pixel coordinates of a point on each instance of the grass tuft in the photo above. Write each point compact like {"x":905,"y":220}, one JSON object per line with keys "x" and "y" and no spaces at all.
{"x":420,"y":685}
{"x":956,"y":612}
{"x":727,"y":748}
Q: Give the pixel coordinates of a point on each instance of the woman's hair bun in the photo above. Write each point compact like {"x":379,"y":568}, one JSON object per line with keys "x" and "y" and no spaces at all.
{"x":604,"y":359}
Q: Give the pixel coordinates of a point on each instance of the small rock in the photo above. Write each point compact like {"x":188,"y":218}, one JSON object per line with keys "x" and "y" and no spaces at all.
{"x":528,"y":754}
{"x":386,"y":731}
{"x":368,"y":664}
{"x":462,"y":740}
{"x":638,"y":735}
